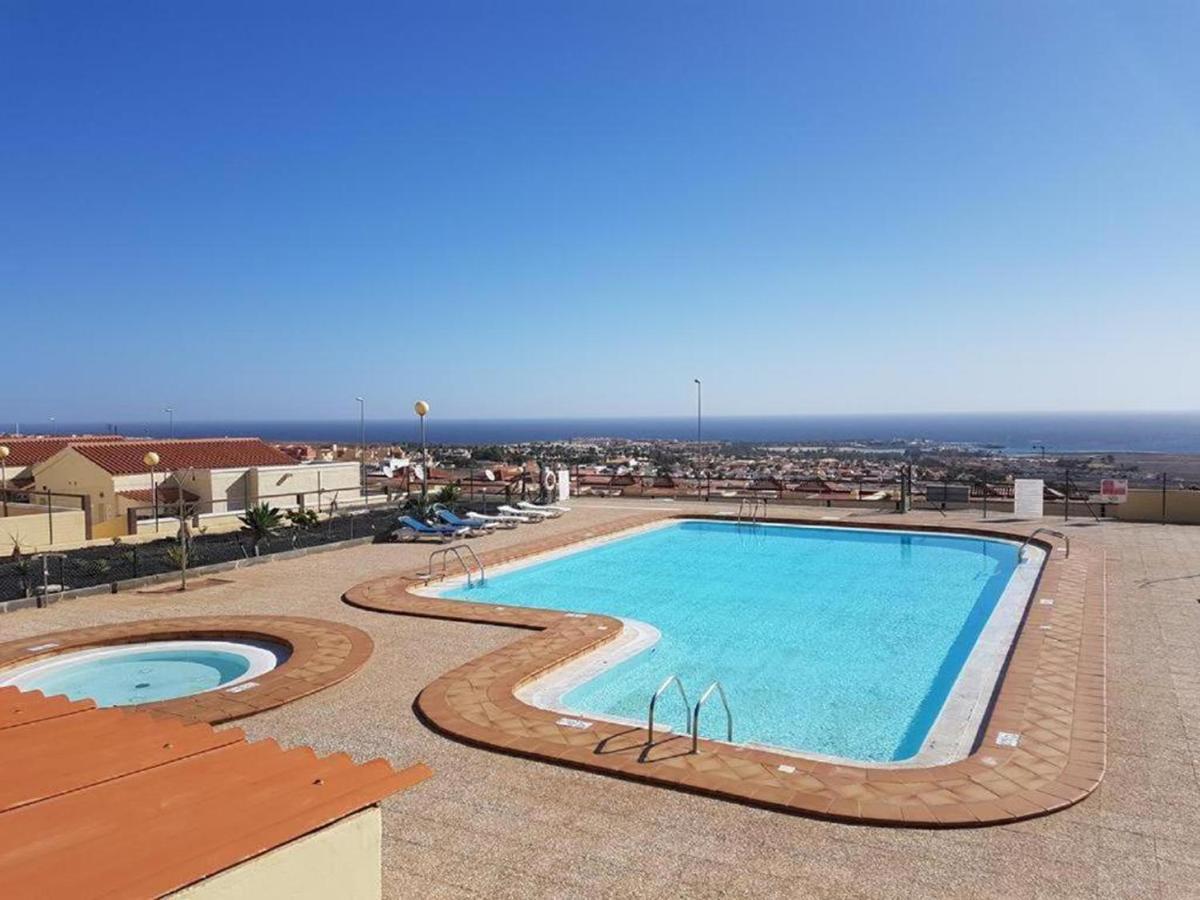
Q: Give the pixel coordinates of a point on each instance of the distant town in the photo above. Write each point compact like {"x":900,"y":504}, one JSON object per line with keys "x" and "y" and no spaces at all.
{"x":71,"y":489}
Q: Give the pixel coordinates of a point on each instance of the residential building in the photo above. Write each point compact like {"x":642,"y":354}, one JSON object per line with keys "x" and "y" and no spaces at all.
{"x":218,"y":476}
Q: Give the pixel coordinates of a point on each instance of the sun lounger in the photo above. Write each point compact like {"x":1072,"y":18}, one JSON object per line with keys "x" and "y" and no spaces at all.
{"x":501,"y":521}
{"x":537,"y":515}
{"x":455,"y":522}
{"x":412,"y":529}
{"x":533,"y":509}
{"x":543,"y":507}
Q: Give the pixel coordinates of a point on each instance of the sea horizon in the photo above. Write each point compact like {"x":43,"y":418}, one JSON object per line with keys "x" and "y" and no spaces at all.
{"x":1014,"y":433}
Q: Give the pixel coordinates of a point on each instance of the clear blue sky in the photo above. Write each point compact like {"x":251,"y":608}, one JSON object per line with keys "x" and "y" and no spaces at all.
{"x":536,"y":209}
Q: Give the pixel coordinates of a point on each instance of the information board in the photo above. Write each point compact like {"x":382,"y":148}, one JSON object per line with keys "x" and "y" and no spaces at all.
{"x":1112,"y":490}
{"x":1028,"y":495}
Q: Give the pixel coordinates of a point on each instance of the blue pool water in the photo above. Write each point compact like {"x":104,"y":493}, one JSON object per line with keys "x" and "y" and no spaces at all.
{"x":828,"y":640}
{"x":142,"y":677}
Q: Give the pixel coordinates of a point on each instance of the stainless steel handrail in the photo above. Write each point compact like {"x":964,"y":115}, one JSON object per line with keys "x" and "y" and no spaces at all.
{"x":751,"y":508}
{"x":1036,"y":532}
{"x":687,"y":706}
{"x":456,"y":549}
{"x":478,"y":563}
{"x":715,"y":686}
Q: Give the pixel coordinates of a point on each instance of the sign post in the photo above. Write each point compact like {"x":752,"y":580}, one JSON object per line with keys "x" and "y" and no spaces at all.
{"x":1112,"y":490}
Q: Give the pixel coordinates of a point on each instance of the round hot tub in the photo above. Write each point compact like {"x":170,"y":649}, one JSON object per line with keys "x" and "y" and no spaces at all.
{"x":129,"y":674}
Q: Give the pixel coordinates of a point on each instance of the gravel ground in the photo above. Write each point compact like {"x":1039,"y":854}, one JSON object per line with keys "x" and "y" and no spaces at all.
{"x":488,"y":824}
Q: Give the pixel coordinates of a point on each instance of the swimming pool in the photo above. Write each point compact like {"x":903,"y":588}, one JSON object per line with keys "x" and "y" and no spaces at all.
{"x":870,"y":645}
{"x":129,"y":674}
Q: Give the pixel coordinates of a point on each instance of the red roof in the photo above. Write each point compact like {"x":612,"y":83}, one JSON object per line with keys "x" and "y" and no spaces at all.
{"x":125,"y":457}
{"x":27,"y":451}
{"x":120,"y":803}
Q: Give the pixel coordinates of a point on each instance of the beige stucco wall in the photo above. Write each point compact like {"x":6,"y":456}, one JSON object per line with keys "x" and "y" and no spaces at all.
{"x":342,"y":860}
{"x":283,"y":486}
{"x":1183,"y":507}
{"x":71,"y":473}
{"x":28,"y":526}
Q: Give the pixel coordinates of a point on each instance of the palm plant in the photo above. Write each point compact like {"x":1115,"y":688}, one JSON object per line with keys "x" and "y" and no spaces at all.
{"x":259,"y":523}
{"x":448,"y":495}
{"x":304,"y":519}
{"x":419,"y":507}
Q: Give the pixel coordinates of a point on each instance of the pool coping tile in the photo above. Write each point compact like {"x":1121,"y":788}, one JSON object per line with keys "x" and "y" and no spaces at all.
{"x":1051,"y":693}
{"x":322,"y":654}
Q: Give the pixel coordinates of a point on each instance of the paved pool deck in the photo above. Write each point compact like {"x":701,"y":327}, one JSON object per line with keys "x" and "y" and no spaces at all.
{"x":494,"y":825}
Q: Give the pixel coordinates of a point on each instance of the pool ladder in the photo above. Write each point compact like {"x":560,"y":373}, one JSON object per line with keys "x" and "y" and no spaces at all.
{"x":750,"y":510}
{"x":456,"y":550}
{"x":1036,"y":532}
{"x":693,"y":712}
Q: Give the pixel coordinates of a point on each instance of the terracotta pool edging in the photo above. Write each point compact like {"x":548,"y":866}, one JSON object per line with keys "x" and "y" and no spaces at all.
{"x":323,"y":653}
{"x":1050,"y":694}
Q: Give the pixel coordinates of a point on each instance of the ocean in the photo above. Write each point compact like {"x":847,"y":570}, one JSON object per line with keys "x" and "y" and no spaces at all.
{"x":1016,"y":433}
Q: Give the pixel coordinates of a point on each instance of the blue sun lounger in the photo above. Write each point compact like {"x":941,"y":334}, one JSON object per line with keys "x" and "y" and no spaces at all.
{"x":454,"y":521}
{"x":411,"y":529}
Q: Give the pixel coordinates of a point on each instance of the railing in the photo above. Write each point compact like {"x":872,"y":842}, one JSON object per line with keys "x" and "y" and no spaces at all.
{"x":1036,"y":532}
{"x":117,"y":561}
{"x":674,"y":679}
{"x":46,"y":587}
{"x":457,"y":549}
{"x":750,"y":509}
{"x":715,"y":686}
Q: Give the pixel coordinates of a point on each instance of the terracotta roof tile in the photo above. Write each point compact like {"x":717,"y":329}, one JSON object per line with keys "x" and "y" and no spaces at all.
{"x":139,"y":805}
{"x":27,"y":451}
{"x":125,"y":457}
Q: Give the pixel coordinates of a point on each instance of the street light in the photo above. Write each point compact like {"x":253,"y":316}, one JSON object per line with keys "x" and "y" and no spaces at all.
{"x":697,"y":380}
{"x":170,"y":411}
{"x":422,"y":409}
{"x":4,"y":451}
{"x":362,"y":445}
{"x":151,"y":459}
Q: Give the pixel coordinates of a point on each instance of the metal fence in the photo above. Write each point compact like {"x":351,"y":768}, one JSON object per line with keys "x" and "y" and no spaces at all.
{"x":93,"y":566}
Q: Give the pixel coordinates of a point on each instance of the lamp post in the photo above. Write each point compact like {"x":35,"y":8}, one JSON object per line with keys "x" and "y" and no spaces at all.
{"x":4,"y":451}
{"x":697,"y":380}
{"x":151,"y":459}
{"x":422,"y":409}
{"x":362,"y":445}
{"x":170,"y":411}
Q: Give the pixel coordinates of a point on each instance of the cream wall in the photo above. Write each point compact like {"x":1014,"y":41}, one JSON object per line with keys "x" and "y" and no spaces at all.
{"x":283,"y":486}
{"x":1183,"y":507}
{"x":219,"y":490}
{"x":342,"y":860}
{"x":28,"y":526}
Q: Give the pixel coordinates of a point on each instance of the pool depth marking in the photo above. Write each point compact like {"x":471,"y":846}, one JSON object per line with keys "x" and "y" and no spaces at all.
{"x":1052,"y":694}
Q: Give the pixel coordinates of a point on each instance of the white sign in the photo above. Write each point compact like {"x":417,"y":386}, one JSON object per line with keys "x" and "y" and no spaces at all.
{"x":1028,"y":496}
{"x":1112,"y":490}
{"x":564,"y":485}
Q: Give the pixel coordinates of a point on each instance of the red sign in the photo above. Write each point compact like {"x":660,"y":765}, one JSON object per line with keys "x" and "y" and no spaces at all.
{"x":1113,"y":490}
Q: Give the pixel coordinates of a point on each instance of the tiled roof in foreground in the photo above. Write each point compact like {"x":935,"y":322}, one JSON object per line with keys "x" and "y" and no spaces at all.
{"x":109,"y":802}
{"x":126,"y":457}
